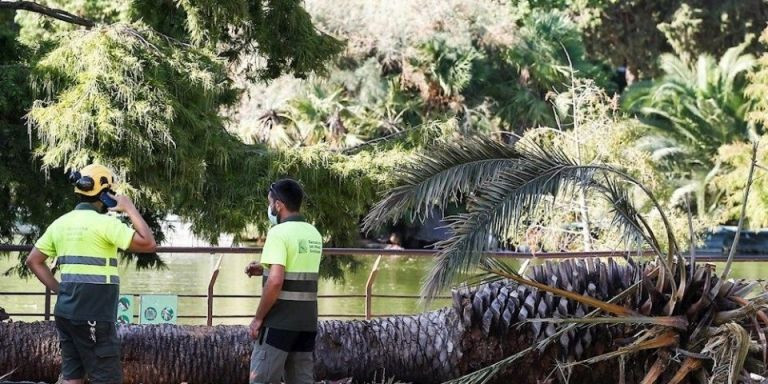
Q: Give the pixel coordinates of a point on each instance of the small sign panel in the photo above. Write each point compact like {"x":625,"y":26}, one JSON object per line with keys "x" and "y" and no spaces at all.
{"x":125,"y":309}
{"x":159,"y":309}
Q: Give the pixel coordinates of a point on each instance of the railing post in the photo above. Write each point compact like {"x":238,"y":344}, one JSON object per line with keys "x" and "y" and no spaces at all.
{"x":369,"y":288}
{"x":211,"y":283}
{"x":47,"y":314}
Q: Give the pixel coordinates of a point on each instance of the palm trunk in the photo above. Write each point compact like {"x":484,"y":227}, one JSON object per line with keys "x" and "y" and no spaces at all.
{"x":421,"y":349}
{"x":482,"y":327}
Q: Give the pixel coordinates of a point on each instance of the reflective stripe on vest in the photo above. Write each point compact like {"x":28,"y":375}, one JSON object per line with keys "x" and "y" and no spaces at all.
{"x":297,"y":286}
{"x":297,"y":275}
{"x":298,"y":296}
{"x":88,"y":269}
{"x":96,"y":279}
{"x":87,"y":260}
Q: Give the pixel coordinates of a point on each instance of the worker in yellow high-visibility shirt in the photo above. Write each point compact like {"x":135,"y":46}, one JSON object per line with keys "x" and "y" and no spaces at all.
{"x":85,"y":242}
{"x":285,"y":324}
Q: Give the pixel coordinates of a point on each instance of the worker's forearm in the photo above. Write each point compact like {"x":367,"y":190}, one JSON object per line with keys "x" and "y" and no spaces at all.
{"x":139,"y":225}
{"x":268,"y":299}
{"x":45,"y":276}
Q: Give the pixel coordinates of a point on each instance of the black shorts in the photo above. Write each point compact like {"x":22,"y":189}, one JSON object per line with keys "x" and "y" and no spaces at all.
{"x":288,"y":341}
{"x":83,"y":356}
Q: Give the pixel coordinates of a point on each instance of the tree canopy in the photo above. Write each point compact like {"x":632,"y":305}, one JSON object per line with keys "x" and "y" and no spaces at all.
{"x":146,"y":93}
{"x":200,"y":105}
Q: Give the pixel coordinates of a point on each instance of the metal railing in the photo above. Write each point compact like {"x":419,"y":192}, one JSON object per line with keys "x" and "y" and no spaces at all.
{"x":368,"y":295}
{"x":368,"y":251}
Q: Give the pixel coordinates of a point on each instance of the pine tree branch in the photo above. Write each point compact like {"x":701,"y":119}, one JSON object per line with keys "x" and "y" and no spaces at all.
{"x":58,"y":14}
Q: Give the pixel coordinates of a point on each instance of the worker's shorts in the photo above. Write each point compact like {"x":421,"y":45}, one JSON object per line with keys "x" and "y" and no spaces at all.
{"x":94,"y":353}
{"x":283,"y":356}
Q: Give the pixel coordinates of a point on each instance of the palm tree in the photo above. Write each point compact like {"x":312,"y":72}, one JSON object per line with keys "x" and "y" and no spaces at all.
{"x":670,"y":306}
{"x":693,"y":110}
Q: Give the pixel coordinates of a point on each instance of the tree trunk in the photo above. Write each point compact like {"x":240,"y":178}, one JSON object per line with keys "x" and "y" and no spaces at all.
{"x":482,"y":327}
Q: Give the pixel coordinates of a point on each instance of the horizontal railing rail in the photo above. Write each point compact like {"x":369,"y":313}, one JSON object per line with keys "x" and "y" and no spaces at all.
{"x":226,"y":296}
{"x":700,"y":255}
{"x":365,"y":252}
{"x":368,"y":295}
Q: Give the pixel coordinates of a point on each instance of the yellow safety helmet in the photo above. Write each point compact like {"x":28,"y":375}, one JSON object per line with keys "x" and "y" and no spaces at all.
{"x":92,"y":179}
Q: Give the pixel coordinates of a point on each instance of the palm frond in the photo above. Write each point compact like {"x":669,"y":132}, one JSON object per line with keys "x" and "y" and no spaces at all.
{"x":705,"y":73}
{"x":541,"y":174}
{"x":484,"y":375}
{"x":627,"y":218}
{"x":677,"y":322}
{"x":734,"y":63}
{"x":586,"y":300}
{"x":673,"y":66}
{"x":446,"y":172}
{"x":650,"y":341}
{"x":689,"y":365}
{"x":728,"y":347}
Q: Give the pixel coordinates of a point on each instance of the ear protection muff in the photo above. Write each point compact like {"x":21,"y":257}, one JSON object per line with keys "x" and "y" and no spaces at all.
{"x":83,"y":183}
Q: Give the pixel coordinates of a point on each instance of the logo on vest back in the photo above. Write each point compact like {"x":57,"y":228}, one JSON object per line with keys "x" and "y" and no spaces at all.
{"x":303,"y":246}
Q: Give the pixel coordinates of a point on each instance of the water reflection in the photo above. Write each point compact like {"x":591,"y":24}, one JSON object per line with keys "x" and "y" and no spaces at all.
{"x":190,"y":273}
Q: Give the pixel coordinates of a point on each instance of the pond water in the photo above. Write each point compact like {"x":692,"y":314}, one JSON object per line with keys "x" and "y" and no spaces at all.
{"x":190,"y":273}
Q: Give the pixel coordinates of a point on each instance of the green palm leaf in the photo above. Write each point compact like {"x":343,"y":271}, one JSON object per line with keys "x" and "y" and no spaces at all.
{"x":541,"y":176}
{"x":627,"y":219}
{"x":701,"y":106}
{"x":446,"y":172}
{"x":498,"y":204}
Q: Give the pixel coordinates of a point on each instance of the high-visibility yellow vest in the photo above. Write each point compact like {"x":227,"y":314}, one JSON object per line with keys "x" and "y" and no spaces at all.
{"x":298,"y":246}
{"x":85,"y":245}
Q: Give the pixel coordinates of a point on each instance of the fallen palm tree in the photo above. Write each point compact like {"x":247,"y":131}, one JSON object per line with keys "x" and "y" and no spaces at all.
{"x":427,"y":348}
{"x":678,"y":321}
{"x":486,"y":324}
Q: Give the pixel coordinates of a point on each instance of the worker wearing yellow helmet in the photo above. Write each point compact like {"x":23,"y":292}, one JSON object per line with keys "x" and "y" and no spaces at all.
{"x":85,"y":243}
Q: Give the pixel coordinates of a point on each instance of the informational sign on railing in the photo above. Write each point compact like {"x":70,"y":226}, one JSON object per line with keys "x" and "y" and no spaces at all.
{"x":125,"y":309}
{"x":159,"y":309}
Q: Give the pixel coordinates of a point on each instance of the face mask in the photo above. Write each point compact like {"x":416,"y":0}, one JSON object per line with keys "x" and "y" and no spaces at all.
{"x":272,"y":217}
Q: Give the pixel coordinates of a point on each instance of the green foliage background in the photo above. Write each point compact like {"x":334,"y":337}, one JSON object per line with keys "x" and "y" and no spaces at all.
{"x":200,"y":105}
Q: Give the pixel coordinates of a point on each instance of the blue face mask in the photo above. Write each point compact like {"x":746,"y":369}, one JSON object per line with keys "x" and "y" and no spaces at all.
{"x":272,"y":217}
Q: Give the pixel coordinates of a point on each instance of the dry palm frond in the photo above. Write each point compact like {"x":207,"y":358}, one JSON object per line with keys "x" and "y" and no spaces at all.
{"x":740,"y":226}
{"x":651,"y":339}
{"x":7,"y":375}
{"x":689,"y":365}
{"x":678,"y":322}
{"x":728,"y":346}
{"x":590,"y":301}
{"x":656,"y":370}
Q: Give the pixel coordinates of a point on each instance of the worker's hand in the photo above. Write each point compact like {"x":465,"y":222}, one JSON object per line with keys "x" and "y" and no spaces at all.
{"x":255,"y":328}
{"x":254,"y":268}
{"x":124,"y":204}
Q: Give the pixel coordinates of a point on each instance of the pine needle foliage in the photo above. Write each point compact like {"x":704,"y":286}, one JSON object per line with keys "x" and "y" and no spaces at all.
{"x":146,"y":91}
